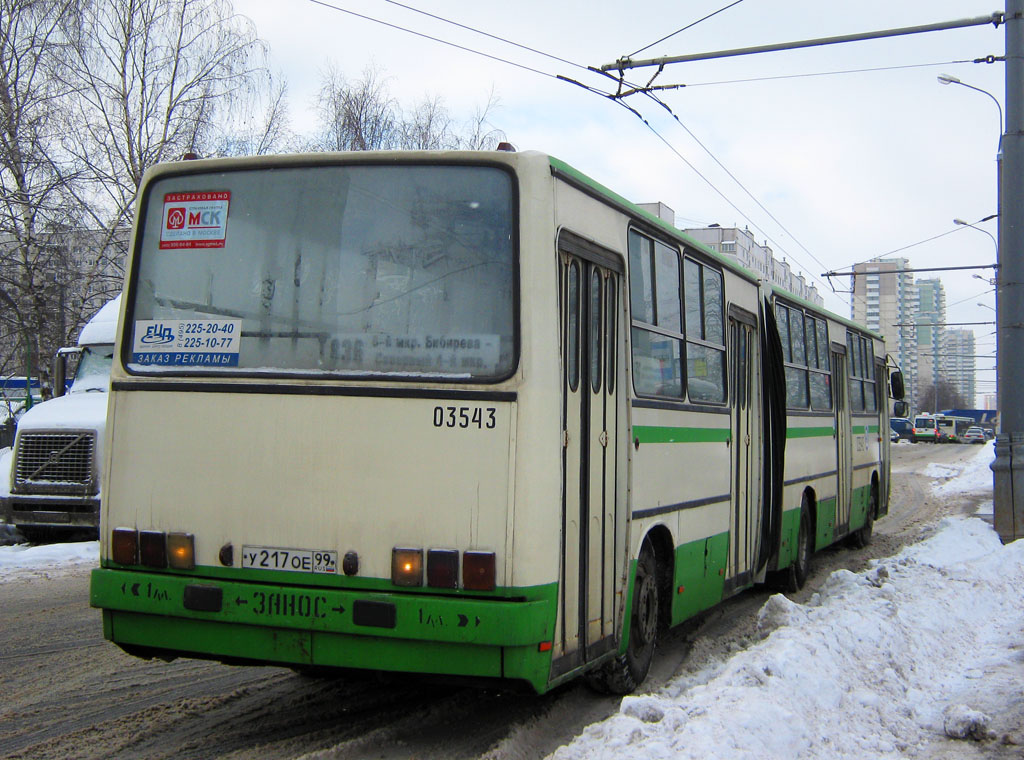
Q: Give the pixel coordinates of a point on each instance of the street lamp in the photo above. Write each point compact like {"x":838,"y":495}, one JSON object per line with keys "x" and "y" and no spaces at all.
{"x":973,"y":226}
{"x":945,"y":79}
{"x":948,"y":79}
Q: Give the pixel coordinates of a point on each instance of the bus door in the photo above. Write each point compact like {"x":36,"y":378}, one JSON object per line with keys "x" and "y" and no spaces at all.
{"x":745,"y":517}
{"x":593,"y":518}
{"x":844,"y":438}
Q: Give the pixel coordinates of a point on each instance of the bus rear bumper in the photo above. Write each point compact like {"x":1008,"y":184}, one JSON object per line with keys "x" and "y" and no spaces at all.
{"x":165,"y":615}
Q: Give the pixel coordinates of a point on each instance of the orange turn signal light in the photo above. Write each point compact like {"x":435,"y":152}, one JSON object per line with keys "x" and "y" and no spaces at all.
{"x":181,"y":551}
{"x":407,"y":567}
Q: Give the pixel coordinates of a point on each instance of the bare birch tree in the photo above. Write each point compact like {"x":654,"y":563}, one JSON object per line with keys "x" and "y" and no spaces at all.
{"x":362,"y":115}
{"x":429,"y":127}
{"x":357,"y":115}
{"x":36,"y":185}
{"x":93,"y":93}
{"x":479,"y":133}
{"x":151,"y":79}
{"x":259,"y":127}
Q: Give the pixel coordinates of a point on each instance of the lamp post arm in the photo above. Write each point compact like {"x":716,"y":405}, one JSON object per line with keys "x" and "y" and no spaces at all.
{"x":994,"y":100}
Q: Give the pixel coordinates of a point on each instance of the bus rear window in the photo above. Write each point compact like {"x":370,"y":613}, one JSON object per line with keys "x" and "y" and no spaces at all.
{"x":368,"y":270}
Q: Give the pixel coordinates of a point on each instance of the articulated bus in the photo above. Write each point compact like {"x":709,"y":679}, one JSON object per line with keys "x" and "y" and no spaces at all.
{"x":464,"y":414}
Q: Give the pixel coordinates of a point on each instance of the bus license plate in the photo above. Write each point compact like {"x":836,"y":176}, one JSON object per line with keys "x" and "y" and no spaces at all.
{"x":292,"y":560}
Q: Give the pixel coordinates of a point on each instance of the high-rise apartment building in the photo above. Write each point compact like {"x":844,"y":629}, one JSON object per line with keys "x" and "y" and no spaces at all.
{"x":958,"y":365}
{"x":911,"y":316}
{"x":931,"y":319}
{"x":885,"y":299}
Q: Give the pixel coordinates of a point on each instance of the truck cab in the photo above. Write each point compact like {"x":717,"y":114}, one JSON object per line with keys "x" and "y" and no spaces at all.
{"x":50,"y":480}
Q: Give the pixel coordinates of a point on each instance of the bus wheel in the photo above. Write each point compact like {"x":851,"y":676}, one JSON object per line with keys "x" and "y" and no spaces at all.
{"x":862,"y":537}
{"x":625,"y":672}
{"x":801,"y":567}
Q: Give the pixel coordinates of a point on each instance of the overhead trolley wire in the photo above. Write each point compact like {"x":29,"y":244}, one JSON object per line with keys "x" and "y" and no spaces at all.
{"x":878,"y":257}
{"x":707,"y":181}
{"x":485,"y":34}
{"x":425,"y":36}
{"x":737,"y":181}
{"x":688,"y":26}
{"x":466,"y":49}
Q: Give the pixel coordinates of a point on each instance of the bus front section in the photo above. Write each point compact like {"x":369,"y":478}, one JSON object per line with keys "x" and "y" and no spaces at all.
{"x":312,"y":420}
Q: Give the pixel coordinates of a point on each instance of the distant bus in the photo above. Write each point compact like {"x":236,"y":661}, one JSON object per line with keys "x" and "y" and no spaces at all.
{"x":952,"y":428}
{"x":463,"y":414}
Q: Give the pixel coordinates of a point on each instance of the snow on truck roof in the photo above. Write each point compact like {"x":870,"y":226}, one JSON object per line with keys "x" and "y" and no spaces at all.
{"x":103,"y":326}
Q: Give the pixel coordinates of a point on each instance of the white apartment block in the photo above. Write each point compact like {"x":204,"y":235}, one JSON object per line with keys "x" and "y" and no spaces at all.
{"x":740,"y":245}
{"x":958,"y":363}
{"x":885,"y":299}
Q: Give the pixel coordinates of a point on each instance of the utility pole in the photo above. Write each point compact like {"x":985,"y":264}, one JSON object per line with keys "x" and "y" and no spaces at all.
{"x":1008,"y":467}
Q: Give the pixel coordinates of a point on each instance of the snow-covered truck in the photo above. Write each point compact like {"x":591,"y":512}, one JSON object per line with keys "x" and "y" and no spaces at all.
{"x":50,"y":480}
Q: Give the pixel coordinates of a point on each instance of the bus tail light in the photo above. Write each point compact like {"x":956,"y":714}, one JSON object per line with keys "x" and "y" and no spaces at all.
{"x":152,"y":548}
{"x":443,"y":568}
{"x":478,"y":571}
{"x":181,"y":551}
{"x":124,"y":546}
{"x":407,"y":567}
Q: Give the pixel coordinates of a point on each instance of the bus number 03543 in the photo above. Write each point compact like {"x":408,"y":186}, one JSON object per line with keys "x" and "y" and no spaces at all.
{"x":481,"y":418}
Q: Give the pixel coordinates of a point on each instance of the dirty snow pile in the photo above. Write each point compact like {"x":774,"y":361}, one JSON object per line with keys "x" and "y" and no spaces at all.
{"x":21,"y":560}
{"x":918,"y":656}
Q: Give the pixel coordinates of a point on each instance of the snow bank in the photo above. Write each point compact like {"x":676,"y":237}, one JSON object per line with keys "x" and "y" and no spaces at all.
{"x":972,"y":475}
{"x":21,"y":560}
{"x":875,"y":665}
{"x":920,"y":648}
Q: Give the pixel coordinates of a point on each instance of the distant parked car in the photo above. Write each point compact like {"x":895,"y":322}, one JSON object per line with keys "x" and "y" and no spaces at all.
{"x":974,"y":435}
{"x":903,"y":427}
{"x":893,"y":436}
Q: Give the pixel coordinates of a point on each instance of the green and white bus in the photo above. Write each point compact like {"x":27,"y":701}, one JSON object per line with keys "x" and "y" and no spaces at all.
{"x":467,"y":414}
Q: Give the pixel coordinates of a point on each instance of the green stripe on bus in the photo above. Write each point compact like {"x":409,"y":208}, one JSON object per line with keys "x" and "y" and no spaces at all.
{"x":658,"y":434}
{"x":810,"y":432}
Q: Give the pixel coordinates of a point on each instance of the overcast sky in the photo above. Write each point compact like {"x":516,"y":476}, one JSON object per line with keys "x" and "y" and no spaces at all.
{"x":846,"y":166}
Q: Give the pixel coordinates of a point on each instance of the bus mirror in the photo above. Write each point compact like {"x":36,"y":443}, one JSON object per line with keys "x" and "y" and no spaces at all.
{"x":900,"y":409}
{"x":896,"y":386}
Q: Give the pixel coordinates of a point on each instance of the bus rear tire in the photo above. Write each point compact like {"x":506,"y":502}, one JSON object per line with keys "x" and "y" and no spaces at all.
{"x":862,"y":536}
{"x":624,"y":673}
{"x":797,"y":573}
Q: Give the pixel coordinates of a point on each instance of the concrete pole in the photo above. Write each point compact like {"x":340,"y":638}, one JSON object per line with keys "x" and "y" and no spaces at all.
{"x":1008,"y":467}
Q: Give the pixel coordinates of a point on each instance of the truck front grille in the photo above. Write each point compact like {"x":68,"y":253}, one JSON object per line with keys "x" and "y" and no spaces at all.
{"x":56,"y":462}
